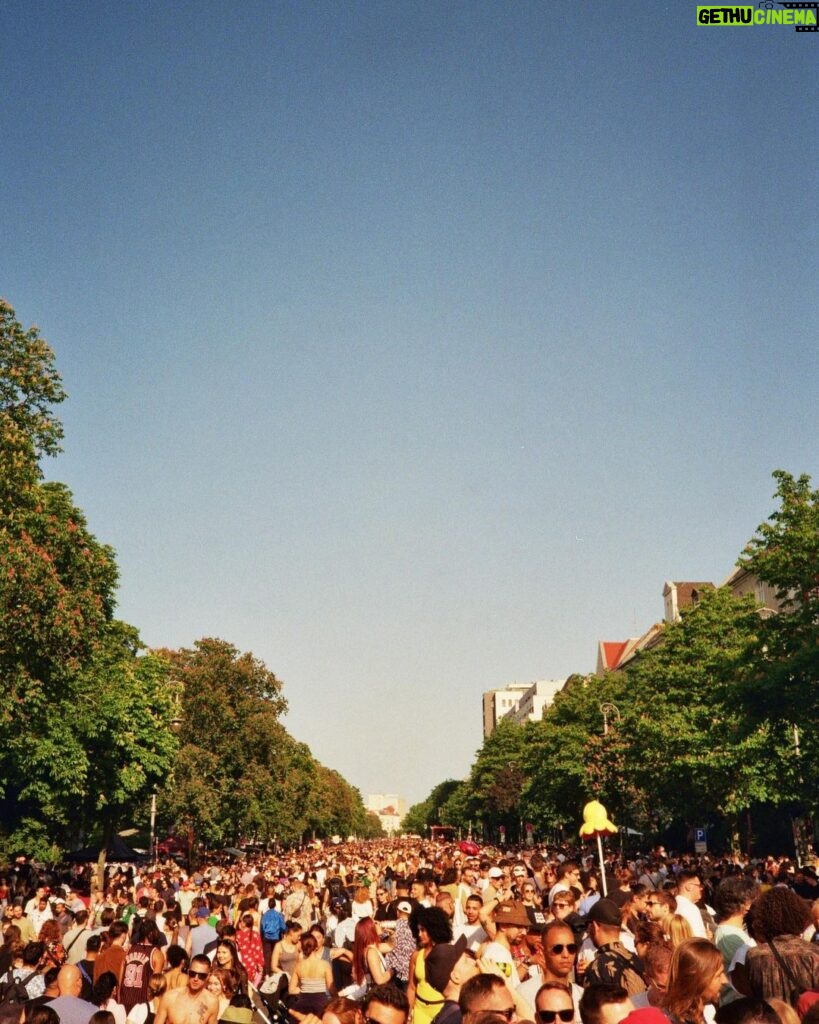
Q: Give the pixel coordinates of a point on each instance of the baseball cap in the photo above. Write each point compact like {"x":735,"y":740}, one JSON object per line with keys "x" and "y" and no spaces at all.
{"x":405,"y":907}
{"x":605,"y":912}
{"x":441,"y":959}
{"x":620,"y":897}
{"x":495,"y":873}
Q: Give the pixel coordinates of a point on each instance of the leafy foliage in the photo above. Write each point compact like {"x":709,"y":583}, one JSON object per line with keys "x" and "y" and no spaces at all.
{"x":88,"y":717}
{"x":430,"y":811}
{"x":706,"y":717}
{"x":29,"y":387}
{"x":785,"y":554}
{"x":239,"y":774}
{"x":85,"y":736}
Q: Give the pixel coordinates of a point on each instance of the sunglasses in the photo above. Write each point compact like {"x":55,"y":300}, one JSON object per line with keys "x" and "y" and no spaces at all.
{"x":653,"y":903}
{"x":550,"y":1016}
{"x":199,"y":974}
{"x":508,"y":1013}
{"x":570,"y":947}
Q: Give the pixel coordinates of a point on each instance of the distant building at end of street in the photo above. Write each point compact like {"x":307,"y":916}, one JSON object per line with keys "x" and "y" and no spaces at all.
{"x":389,"y":808}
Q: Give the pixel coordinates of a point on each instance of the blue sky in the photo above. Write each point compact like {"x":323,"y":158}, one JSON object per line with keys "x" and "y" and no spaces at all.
{"x":413,"y":346}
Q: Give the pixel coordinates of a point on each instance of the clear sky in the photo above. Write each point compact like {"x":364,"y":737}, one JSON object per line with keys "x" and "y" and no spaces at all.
{"x":413,"y":346}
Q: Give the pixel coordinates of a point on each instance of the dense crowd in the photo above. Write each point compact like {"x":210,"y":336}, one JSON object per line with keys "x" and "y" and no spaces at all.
{"x":399,"y":931}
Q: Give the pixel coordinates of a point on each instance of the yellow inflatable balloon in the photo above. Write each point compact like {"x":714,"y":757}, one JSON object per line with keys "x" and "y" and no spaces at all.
{"x":596,"y":821}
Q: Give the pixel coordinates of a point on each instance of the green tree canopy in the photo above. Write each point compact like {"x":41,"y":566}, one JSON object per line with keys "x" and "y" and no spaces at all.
{"x":785,"y":554}
{"x":239,"y":774}
{"x":227,"y":784}
{"x":29,"y":389}
{"x":430,"y":811}
{"x":86,"y":733}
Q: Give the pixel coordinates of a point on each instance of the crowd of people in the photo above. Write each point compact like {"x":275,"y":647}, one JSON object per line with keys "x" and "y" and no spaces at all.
{"x":411,"y":932}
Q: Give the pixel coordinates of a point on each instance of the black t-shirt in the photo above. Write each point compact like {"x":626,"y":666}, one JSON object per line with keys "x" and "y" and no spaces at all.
{"x":537,"y":917}
{"x":450,"y":1013}
{"x":86,"y":968}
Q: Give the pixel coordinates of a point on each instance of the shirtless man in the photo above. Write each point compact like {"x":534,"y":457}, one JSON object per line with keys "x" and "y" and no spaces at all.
{"x":192,"y":1004}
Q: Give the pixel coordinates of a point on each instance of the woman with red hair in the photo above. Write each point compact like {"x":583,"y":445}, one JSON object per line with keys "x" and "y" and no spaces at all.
{"x":369,"y":967}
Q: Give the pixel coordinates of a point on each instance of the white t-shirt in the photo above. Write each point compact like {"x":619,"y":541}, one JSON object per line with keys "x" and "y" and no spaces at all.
{"x":138,"y":1014}
{"x":475,"y":935}
{"x":529,"y":989}
{"x":691,"y":912}
{"x":503,"y":958}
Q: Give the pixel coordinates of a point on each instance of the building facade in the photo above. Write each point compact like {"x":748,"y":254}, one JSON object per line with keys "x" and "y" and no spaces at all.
{"x":521,"y":702}
{"x":389,"y":809}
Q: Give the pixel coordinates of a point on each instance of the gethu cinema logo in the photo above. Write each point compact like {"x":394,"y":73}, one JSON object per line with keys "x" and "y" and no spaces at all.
{"x":803,"y":16}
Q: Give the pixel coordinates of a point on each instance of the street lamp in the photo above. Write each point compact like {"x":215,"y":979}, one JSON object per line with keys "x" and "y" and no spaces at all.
{"x":178,"y":688}
{"x":606,"y":710}
{"x":153,"y":826}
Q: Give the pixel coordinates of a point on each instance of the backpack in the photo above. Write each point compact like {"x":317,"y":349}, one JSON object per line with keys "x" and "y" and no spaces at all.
{"x":272,"y":925}
{"x":335,"y":889}
{"x":13,"y":992}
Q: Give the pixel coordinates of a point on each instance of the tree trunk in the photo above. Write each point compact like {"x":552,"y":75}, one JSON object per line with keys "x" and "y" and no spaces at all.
{"x":107,"y":836}
{"x":802,"y":836}
{"x":191,"y":848}
{"x":733,"y":824}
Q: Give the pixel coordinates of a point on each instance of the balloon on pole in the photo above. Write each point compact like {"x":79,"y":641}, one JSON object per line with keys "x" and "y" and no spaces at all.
{"x":596,"y":824}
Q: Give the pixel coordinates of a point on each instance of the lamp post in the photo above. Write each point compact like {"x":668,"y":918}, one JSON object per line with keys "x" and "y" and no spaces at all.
{"x":607,"y":709}
{"x":153,"y":826}
{"x":178,"y":689}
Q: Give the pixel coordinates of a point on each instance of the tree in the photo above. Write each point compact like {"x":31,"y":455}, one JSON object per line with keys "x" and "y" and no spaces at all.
{"x":335,"y":807}
{"x":431,"y":811}
{"x":559,"y":759}
{"x":689,"y":742}
{"x":455,"y":810}
{"x":681,"y":747}
{"x":228,"y":782}
{"x":85,"y":738}
{"x":120,"y":717}
{"x":785,"y":554}
{"x":87,"y":715}
{"x":496,"y":781}
{"x":29,"y":388}
{"x":782,"y":691}
{"x":372,"y":827}
{"x":716,"y":719}
{"x":57,"y":581}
